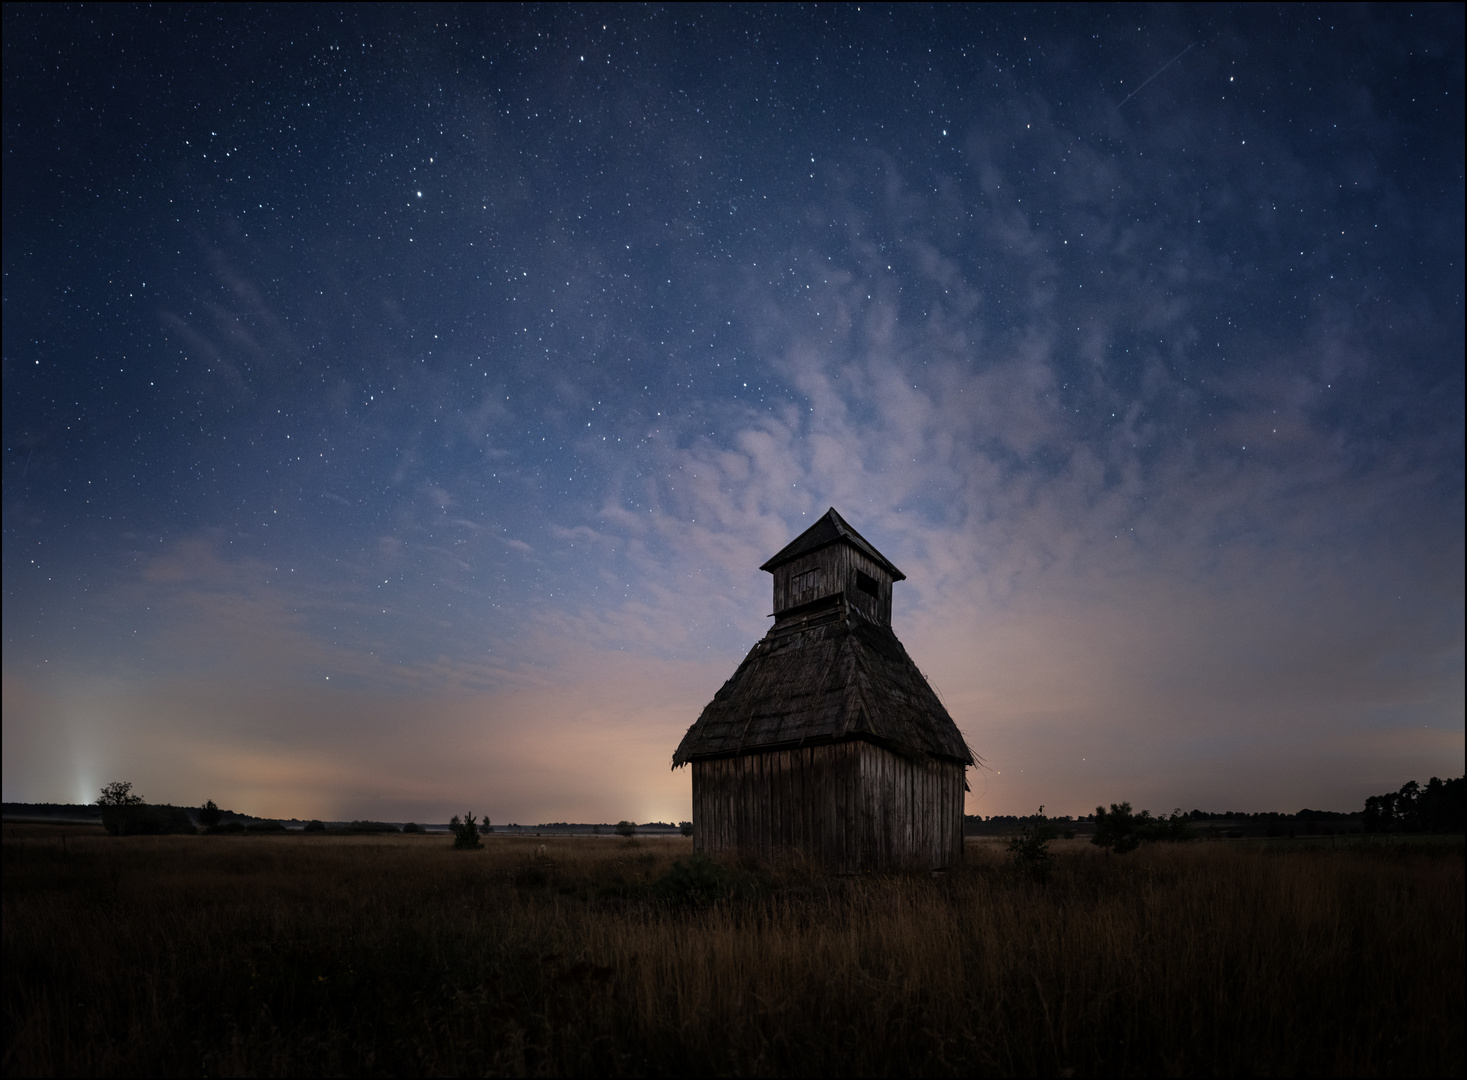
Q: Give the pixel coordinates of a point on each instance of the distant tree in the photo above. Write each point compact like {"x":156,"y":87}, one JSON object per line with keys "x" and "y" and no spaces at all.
{"x":1442,"y":804}
{"x":209,"y":814}
{"x":1408,"y":807}
{"x":1121,"y":830}
{"x":1380,"y":813}
{"x":126,"y":814}
{"x":626,"y":828}
{"x":315,"y":825}
{"x":1175,"y":829}
{"x":412,"y":826}
{"x":372,"y":827}
{"x":1437,"y":807}
{"x":484,"y":827}
{"x":1118,"y":829}
{"x":685,"y":827}
{"x":465,"y":833}
{"x":119,"y":793}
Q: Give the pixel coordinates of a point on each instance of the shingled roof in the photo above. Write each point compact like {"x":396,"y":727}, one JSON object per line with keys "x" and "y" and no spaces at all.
{"x":830,"y":675}
{"x":830,"y":529}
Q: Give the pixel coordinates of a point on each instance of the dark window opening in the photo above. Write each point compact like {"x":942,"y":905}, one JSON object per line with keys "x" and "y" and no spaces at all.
{"x":867,"y":584}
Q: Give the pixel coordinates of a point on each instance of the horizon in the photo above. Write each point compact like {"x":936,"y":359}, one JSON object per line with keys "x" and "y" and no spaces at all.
{"x":674,"y":824}
{"x":399,"y":403}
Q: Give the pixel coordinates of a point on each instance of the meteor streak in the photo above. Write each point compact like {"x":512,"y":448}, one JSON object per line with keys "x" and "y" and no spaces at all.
{"x":1159,"y":70}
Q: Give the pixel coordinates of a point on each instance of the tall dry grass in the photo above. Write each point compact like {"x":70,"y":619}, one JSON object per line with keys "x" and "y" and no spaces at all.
{"x":304,"y":955}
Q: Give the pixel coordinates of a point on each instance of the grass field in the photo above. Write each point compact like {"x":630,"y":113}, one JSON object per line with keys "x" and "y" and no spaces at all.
{"x":400,"y":956}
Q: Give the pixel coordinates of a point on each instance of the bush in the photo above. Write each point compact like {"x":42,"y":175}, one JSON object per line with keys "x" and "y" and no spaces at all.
{"x":626,"y":828}
{"x":1124,"y":831}
{"x":209,"y":814}
{"x":1029,"y":851}
{"x":118,"y":802}
{"x":412,"y":826}
{"x":264,"y":827}
{"x":370,"y":827}
{"x":465,"y":833}
{"x":125,"y":814}
{"x":1175,"y":829}
{"x":685,"y":827}
{"x":315,"y":825}
{"x":1117,"y":830}
{"x":150,"y":820}
{"x":696,"y":882}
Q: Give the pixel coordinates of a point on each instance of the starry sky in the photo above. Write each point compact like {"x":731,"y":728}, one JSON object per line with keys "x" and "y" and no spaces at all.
{"x":399,"y":402}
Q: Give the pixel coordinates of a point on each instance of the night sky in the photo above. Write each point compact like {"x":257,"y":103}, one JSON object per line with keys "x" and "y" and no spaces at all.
{"x":398,"y":403}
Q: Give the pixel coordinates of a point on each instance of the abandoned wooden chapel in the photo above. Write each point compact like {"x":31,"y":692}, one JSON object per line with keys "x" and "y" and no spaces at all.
{"x":828,"y":741}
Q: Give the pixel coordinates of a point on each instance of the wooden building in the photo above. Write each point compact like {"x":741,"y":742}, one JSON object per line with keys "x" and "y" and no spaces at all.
{"x":828,"y":740}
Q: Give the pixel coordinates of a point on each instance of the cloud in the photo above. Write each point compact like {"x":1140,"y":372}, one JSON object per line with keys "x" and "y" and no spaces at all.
{"x":1180,"y":511}
{"x":1113,"y":554}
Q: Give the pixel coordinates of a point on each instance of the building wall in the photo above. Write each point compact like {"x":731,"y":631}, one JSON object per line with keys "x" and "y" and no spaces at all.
{"x":850,"y":805}
{"x":834,"y":570}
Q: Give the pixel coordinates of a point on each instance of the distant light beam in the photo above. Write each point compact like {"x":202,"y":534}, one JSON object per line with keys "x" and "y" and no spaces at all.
{"x":1159,"y":70}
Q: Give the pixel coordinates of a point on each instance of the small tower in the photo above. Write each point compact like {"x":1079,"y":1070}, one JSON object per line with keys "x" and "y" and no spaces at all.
{"x":827,"y":740}
{"x":828,"y":559}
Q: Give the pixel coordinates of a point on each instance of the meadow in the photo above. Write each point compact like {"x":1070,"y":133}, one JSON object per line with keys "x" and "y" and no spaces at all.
{"x":301,"y":955}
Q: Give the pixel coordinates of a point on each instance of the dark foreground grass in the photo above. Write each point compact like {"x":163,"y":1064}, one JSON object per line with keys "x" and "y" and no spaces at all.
{"x":314,"y":955}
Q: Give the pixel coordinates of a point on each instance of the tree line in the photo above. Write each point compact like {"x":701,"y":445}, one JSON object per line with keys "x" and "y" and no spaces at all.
{"x":1438,"y":806}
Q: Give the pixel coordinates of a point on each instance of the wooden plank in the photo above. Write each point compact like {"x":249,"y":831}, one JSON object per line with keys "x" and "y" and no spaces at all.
{"x":939,"y":817}
{"x":712,"y":811}
{"x":773,"y":801}
{"x":700,"y":819}
{"x":891,"y":808}
{"x":775,"y":808}
{"x":923,"y":814}
{"x":807,"y":803}
{"x":874,"y":806}
{"x":747,"y":833}
{"x":758,"y":805}
{"x":797,"y":800}
{"x":853,"y":806}
{"x":780,"y":839}
{"x":851,"y":776}
{"x":864,"y":824}
{"x":725,"y":807}
{"x":792,"y":802}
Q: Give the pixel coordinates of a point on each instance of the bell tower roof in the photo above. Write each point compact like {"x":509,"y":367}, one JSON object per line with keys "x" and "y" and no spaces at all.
{"x":831,"y":529}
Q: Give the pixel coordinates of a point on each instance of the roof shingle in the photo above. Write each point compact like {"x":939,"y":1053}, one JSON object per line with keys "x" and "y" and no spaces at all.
{"x":831,"y":674}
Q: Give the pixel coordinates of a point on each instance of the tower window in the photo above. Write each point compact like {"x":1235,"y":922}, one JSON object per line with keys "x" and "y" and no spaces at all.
{"x":810,"y":579}
{"x":867,"y":584}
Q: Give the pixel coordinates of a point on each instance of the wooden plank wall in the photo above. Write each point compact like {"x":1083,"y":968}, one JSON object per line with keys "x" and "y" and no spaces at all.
{"x":838,"y":564}
{"x":851,"y":805}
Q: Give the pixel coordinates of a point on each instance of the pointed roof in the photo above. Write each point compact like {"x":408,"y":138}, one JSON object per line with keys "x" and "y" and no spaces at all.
{"x":830,"y":676}
{"x":831,"y":529}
